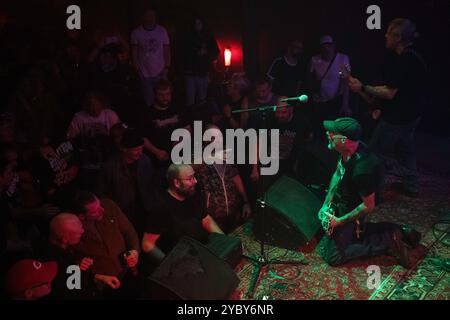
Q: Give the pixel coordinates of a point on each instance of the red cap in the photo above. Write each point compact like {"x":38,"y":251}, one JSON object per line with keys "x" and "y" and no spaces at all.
{"x":27,"y":273}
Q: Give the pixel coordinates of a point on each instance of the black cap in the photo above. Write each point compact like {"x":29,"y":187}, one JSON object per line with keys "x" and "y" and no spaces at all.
{"x":131,"y":139}
{"x":348,"y":127}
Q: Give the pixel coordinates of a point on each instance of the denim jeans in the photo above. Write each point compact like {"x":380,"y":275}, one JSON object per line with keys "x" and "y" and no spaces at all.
{"x":344,"y":246}
{"x":196,"y":89}
{"x":399,"y":139}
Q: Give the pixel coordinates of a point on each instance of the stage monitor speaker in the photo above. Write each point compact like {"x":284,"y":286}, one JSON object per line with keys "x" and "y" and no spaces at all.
{"x":289,"y":219}
{"x":191,"y":272}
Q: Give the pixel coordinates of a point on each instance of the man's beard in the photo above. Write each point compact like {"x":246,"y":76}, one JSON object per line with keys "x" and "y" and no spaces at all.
{"x":187,"y":192}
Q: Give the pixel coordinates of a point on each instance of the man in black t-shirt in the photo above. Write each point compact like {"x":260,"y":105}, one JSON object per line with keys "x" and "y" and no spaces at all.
{"x":179,"y":212}
{"x":350,"y":198}
{"x":402,"y":99}
{"x":287,"y":72}
{"x":157,"y":126}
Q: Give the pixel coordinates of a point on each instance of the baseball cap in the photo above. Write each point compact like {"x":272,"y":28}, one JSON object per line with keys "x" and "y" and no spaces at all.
{"x":27,"y":273}
{"x":326,"y":39}
{"x":348,"y":127}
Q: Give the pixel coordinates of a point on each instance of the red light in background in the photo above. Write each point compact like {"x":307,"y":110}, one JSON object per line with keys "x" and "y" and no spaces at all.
{"x":227,"y":57}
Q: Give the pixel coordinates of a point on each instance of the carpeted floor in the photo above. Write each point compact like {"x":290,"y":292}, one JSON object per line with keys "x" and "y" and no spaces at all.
{"x":316,"y":280}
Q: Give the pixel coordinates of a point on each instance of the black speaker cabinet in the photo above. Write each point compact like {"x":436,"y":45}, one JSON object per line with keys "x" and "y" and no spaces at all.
{"x":289,"y":219}
{"x":191,"y":272}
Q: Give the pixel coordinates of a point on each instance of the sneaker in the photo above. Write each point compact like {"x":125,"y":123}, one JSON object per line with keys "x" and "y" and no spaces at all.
{"x":400,"y":250}
{"x":411,"y":236}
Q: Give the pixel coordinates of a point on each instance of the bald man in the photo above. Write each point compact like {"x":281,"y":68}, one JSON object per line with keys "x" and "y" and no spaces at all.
{"x":180,"y":211}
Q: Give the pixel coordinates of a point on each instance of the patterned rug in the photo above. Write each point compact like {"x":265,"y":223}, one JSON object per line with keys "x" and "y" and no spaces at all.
{"x":318,"y":281}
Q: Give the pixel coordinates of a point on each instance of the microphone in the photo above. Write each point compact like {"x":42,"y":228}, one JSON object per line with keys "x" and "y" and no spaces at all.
{"x":302,"y":99}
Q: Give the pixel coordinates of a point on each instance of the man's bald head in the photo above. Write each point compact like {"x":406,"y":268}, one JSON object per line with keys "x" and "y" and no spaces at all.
{"x":66,"y":229}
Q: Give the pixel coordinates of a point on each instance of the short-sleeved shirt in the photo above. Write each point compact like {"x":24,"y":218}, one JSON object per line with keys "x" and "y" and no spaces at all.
{"x":408,"y":74}
{"x":360,"y":180}
{"x":158,"y":125}
{"x":331,"y":83}
{"x":149,"y":46}
{"x":286,"y":77}
{"x":172,"y":219}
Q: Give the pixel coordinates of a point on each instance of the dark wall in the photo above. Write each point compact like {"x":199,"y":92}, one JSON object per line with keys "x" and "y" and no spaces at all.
{"x":261,"y":29}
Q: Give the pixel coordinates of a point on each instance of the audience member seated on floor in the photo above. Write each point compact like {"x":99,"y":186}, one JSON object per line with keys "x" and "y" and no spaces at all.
{"x":351,"y":198}
{"x":199,"y":51}
{"x":236,"y":90}
{"x":55,"y":166}
{"x":179,"y":211}
{"x":160,"y":120}
{"x":88,"y":131}
{"x":109,"y":239}
{"x":223,"y":189}
{"x":287,"y":72}
{"x":30,"y":279}
{"x":127,"y":177}
{"x":262,"y":96}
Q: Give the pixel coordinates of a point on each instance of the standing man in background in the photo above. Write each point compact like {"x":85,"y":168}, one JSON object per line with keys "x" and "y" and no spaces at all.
{"x":150,"y":48}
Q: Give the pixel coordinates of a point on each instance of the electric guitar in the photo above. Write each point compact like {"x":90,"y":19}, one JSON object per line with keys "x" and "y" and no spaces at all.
{"x":325,"y":215}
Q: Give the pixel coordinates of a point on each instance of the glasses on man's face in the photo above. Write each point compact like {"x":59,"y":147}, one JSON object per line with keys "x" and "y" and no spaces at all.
{"x":191,"y":178}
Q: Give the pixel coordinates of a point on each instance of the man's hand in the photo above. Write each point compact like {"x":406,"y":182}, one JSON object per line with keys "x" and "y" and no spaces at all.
{"x":354,"y":84}
{"x":246,"y":211}
{"x":86,"y":263}
{"x":334,"y":221}
{"x":132,"y":258}
{"x":110,"y":281}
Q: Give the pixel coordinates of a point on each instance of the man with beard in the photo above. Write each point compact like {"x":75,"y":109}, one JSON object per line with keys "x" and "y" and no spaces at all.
{"x":179,"y":212}
{"x":351,"y":198}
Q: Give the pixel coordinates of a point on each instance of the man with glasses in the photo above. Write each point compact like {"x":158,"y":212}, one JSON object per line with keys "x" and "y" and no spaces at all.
{"x":351,"y":198}
{"x":179,"y":211}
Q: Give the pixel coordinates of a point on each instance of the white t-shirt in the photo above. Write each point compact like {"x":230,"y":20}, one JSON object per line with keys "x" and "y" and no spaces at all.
{"x":149,"y":48}
{"x":86,"y":125}
{"x":331,"y":84}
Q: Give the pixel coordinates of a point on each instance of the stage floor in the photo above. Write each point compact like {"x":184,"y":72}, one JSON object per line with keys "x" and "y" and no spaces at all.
{"x":428,"y":280}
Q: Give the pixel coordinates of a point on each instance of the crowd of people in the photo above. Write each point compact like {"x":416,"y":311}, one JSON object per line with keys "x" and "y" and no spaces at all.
{"x":86,"y":177}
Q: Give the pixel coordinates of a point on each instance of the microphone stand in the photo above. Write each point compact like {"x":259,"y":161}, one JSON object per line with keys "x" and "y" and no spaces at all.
{"x":263,"y":260}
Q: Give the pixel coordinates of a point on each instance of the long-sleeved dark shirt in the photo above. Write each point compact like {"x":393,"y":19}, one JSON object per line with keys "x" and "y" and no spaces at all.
{"x":106,"y":241}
